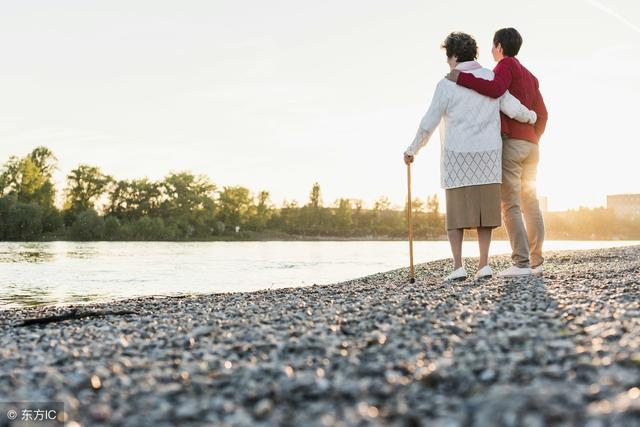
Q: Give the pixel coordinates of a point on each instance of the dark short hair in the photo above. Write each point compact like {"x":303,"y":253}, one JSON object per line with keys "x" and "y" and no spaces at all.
{"x":510,"y":39}
{"x":460,"y":45}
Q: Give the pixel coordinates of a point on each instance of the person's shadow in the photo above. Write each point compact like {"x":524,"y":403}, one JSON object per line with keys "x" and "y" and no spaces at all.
{"x":548,"y":351}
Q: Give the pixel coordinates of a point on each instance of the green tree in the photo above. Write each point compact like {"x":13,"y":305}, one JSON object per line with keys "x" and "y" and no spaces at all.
{"x":89,"y":225}
{"x":315,"y":199}
{"x":30,"y":178}
{"x":6,"y":203}
{"x":45,"y":161}
{"x":235,"y":206}
{"x":134,"y":199}
{"x":51,"y":220}
{"x":313,"y":217}
{"x":147,"y":228}
{"x":11,"y":176}
{"x":188,"y":201}
{"x":85,"y":186}
{"x":382,"y":204}
{"x":386,"y":222}
{"x":287,"y":218}
{"x":434,"y":219}
{"x":111,"y":228}
{"x":35,"y":187}
{"x":361,"y":218}
{"x":24,"y":222}
{"x":343,"y":220}
{"x":261,"y":213}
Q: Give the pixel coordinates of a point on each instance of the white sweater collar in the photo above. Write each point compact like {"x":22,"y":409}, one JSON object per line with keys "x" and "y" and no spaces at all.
{"x":468,"y":66}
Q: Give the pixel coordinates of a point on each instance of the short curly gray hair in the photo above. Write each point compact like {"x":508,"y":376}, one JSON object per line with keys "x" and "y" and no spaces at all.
{"x":460,"y":45}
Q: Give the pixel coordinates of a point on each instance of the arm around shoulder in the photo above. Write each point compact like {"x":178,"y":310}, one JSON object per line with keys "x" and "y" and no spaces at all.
{"x":493,"y":88}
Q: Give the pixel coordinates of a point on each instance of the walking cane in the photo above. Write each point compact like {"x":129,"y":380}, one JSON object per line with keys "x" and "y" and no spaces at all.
{"x":412,"y":279}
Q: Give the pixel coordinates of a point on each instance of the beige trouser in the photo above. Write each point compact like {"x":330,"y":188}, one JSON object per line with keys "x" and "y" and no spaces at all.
{"x":519,"y":169}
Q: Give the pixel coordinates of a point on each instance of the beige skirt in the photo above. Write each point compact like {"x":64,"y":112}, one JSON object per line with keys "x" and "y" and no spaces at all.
{"x":473,"y":206}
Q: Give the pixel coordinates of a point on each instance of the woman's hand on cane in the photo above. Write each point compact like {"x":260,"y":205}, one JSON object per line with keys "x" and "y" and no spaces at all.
{"x":408,"y":159}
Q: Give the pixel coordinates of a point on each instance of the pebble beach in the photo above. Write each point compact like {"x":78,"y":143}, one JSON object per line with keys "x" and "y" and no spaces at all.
{"x":558,"y":350}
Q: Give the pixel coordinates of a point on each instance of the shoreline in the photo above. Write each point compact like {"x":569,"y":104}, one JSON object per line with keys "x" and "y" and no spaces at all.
{"x":91,"y":303}
{"x":292,"y":239}
{"x":562,"y":349}
{"x":468,"y":237}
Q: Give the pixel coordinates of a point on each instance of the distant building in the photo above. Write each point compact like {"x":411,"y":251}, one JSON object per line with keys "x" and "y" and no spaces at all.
{"x":627,"y":205}
{"x":544,"y":203}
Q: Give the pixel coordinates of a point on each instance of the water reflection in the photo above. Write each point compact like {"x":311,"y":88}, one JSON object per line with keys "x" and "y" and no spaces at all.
{"x":69,"y":272}
{"x":25,"y":252}
{"x":84,"y":251}
{"x":88,"y":297}
{"x":81,"y":255}
{"x":19,"y":252}
{"x":15,"y":296}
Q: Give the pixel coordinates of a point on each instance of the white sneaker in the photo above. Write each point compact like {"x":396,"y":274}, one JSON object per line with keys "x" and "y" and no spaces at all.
{"x":484,"y":273}
{"x":515,"y":271}
{"x":459,"y":274}
{"x":538,"y":271}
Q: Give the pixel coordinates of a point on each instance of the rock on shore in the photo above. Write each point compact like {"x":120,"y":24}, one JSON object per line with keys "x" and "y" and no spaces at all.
{"x":560,"y":350}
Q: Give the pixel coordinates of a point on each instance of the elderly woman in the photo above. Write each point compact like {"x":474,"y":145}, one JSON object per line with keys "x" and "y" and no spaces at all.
{"x":471,"y":151}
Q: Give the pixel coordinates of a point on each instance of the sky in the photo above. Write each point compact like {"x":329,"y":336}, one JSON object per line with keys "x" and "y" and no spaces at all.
{"x":278,"y":95}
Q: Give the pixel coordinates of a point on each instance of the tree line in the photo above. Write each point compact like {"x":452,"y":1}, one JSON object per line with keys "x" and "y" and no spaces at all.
{"x":184,"y":206}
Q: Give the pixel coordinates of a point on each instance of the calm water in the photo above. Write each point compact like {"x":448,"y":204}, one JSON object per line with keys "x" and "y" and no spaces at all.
{"x":66,"y":272}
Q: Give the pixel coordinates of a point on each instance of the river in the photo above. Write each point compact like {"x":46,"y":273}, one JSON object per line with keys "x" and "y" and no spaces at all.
{"x":73,"y":272}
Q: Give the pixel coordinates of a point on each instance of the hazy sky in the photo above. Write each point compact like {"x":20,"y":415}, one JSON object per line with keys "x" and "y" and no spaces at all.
{"x":278,"y":94}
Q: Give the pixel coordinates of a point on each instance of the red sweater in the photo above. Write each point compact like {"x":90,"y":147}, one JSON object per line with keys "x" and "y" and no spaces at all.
{"x":513,"y":76}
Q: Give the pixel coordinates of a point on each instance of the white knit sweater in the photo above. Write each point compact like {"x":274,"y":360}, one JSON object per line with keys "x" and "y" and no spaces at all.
{"x":471,"y":145}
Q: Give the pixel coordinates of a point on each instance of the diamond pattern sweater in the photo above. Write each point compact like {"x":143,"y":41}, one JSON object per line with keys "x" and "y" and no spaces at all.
{"x":470,"y":141}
